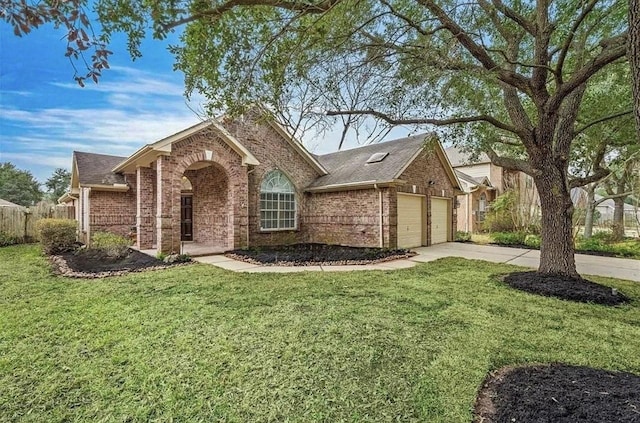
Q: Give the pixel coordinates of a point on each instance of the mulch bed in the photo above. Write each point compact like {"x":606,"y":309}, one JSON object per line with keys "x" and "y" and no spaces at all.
{"x":90,"y":263}
{"x":566,"y":288}
{"x":316,"y":254}
{"x":558,"y":393}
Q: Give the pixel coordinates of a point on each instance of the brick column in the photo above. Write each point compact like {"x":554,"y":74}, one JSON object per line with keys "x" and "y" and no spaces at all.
{"x":145,"y":207}
{"x":165,"y":239}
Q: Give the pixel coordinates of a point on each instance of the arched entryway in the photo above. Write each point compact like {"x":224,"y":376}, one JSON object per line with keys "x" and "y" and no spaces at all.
{"x":206,"y":212}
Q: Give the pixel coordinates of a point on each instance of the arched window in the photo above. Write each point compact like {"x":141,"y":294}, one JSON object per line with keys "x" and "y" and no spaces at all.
{"x":277,"y":202}
{"x":483,"y":202}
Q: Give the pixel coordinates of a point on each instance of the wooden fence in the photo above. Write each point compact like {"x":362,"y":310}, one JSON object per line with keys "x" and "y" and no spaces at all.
{"x":22,"y":223}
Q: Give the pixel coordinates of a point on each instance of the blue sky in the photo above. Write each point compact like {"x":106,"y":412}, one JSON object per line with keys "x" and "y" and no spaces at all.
{"x":45,"y":115}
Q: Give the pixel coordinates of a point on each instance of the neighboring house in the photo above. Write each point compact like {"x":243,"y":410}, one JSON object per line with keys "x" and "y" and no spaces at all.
{"x":481,"y":182}
{"x":605,"y":209}
{"x":5,"y":203}
{"x":246,"y":182}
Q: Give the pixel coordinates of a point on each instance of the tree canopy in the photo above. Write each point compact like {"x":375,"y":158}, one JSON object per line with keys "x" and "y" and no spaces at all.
{"x":58,"y":183}
{"x":18,"y":186}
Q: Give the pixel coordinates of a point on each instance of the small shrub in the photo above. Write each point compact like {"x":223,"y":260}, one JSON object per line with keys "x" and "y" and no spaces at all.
{"x":113,"y":245}
{"x":177,"y":258}
{"x":591,"y":244}
{"x":462,"y":236}
{"x":57,"y":235}
{"x":6,"y":239}
{"x":161,"y":256}
{"x":532,"y":241}
{"x":508,"y":238}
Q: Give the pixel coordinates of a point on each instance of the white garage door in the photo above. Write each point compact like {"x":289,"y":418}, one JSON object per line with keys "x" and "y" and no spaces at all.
{"x":410,"y":220}
{"x":439,"y":220}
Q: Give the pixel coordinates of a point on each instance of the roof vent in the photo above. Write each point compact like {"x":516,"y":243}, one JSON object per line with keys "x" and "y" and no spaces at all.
{"x":377,"y":157}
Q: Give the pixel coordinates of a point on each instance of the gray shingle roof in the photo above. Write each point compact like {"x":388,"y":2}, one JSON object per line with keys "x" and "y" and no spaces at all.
{"x":350,"y":166}
{"x":95,"y":169}
{"x":469,"y":179}
{"x":458,"y":157}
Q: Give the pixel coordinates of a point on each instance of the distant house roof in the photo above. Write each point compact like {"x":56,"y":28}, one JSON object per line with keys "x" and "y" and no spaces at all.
{"x":609,"y":203}
{"x":471,"y":180}
{"x":351,"y":167}
{"x":96,"y":169}
{"x":5,"y":203}
{"x":458,"y":157}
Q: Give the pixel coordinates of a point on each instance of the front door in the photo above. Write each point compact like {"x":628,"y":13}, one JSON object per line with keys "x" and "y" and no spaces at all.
{"x":186,"y":218}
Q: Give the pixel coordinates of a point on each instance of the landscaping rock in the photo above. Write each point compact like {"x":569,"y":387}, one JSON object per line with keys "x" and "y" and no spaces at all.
{"x":91,"y":263}
{"x":316,"y":254}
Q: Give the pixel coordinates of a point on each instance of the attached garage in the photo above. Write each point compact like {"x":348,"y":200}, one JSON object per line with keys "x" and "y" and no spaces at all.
{"x":411,"y":219}
{"x":440,"y":218}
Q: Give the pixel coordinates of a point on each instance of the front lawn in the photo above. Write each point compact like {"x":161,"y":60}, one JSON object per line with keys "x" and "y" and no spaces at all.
{"x":197,"y":343}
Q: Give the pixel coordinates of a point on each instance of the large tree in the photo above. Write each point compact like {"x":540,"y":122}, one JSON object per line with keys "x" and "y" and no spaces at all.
{"x":18,"y":186}
{"x":634,"y":55}
{"x":58,"y":183}
{"x":512,"y":71}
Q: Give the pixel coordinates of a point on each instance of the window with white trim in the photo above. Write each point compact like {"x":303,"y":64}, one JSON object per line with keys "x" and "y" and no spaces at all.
{"x":277,"y":202}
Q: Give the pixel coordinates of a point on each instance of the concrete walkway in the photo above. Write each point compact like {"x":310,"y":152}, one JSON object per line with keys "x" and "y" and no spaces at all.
{"x":586,"y":264}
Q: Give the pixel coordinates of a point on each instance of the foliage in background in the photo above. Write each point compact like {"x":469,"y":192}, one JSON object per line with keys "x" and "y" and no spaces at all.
{"x":462,"y":236}
{"x":58,"y":183}
{"x":57,"y":235}
{"x":6,"y":239}
{"x":508,"y":238}
{"x":18,"y":186}
{"x":111,"y":244}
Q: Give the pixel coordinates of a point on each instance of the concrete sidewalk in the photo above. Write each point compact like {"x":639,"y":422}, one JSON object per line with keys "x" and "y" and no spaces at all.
{"x":586,"y":264}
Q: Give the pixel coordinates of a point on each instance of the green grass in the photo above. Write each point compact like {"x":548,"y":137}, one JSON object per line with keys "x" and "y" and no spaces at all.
{"x":197,"y":343}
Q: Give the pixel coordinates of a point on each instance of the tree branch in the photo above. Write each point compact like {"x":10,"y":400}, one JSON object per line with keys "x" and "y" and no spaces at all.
{"x":515,"y":17}
{"x":612,"y":197}
{"x":596,"y":176}
{"x":477,"y":51}
{"x":604,"y":119}
{"x":612,"y":50}
{"x":508,"y":162}
{"x":569,"y":40}
{"x":305,"y":8}
{"x":425,"y":121}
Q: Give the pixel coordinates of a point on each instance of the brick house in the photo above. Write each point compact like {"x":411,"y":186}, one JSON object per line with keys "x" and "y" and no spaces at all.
{"x":481,"y":182}
{"x":232,"y":184}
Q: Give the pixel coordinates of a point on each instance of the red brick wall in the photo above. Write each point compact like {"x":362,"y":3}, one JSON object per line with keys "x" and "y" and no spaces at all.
{"x":211,"y":199}
{"x":347,"y":217}
{"x":113,"y":211}
{"x":171,"y":168}
{"x":273,"y":152}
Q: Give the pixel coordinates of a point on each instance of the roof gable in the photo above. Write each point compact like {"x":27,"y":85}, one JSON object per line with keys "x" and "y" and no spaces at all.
{"x":458,"y":157}
{"x":150,"y":152}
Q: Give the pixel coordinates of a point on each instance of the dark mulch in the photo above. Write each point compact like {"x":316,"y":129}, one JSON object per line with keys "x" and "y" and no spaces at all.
{"x":316,"y":254}
{"x":91,"y":263}
{"x":566,"y":288}
{"x":558,"y":393}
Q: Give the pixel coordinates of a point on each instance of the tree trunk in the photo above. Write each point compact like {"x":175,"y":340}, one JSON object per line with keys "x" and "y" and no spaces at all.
{"x":556,"y":248}
{"x":589,"y":210}
{"x":634,"y":55}
{"x":618,"y":219}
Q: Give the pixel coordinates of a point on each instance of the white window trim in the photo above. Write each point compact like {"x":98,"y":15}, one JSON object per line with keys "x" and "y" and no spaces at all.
{"x":295,"y":204}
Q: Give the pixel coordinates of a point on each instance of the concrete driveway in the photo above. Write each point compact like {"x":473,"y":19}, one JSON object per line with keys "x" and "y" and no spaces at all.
{"x":586,"y":264}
